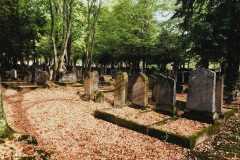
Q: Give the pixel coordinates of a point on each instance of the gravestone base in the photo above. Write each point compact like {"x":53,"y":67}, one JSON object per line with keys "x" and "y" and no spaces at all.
{"x":168,"y":109}
{"x":201,"y":116}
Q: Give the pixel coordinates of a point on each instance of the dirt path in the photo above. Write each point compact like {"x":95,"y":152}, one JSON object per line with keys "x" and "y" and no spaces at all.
{"x":63,"y":123}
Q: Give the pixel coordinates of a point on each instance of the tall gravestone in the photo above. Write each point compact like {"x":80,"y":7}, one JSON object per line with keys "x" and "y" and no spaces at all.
{"x":201,"y":98}
{"x":88,"y":85}
{"x":140,"y":90}
{"x":13,"y":74}
{"x":95,"y":76}
{"x":121,"y":89}
{"x":164,"y":94}
{"x":42,"y":77}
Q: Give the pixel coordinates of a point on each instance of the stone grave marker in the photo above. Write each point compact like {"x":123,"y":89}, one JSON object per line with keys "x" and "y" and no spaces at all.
{"x":27,"y":76}
{"x":50,"y":74}
{"x":88,"y":85}
{"x":69,"y":77}
{"x":130,"y":83}
{"x":121,"y":89}
{"x":201,"y":99}
{"x":42,"y":77}
{"x":95,"y":76}
{"x":152,"y":80}
{"x":140,"y":90}
{"x":164,"y":94}
{"x":13,"y":74}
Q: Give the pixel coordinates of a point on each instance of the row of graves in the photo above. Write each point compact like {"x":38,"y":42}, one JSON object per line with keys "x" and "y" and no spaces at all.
{"x":152,"y":108}
{"x":36,"y":77}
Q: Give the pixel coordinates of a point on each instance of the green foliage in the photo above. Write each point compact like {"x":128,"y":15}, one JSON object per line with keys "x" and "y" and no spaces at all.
{"x":21,"y":26}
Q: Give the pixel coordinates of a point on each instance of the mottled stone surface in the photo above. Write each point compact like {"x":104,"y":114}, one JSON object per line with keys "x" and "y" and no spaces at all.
{"x":152,"y":80}
{"x":27,"y":76}
{"x":201,"y":91}
{"x":42,"y":77}
{"x":219,"y":94}
{"x":95,"y":76}
{"x":88,"y":84}
{"x":140,"y":90}
{"x":164,"y":91}
{"x":70,"y":77}
{"x":121,"y":89}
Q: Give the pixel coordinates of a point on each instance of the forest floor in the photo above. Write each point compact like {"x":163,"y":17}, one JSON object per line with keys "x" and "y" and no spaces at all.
{"x":65,"y":129}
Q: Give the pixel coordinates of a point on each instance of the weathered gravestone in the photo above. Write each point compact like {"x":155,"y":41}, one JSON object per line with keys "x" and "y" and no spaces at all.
{"x":13,"y":74}
{"x":164,"y":94}
{"x":69,"y":77}
{"x":152,"y":80}
{"x":88,"y":85}
{"x":130,"y":83}
{"x":201,"y":99}
{"x":121,"y":89}
{"x":42,"y":77}
{"x":50,"y":74}
{"x":140,"y":90}
{"x":36,"y":73}
{"x":95,"y":76}
{"x":27,"y":76}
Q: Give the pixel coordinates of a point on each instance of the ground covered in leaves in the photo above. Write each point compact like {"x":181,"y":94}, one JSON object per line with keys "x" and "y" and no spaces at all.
{"x":65,"y":128}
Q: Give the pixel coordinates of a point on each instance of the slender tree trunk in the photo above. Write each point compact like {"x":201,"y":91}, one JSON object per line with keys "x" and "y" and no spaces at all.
{"x":54,"y":41}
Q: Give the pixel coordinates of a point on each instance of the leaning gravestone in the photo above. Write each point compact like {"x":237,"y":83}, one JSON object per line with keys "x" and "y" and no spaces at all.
{"x":121,"y":89}
{"x":140,"y":90}
{"x":42,"y":77}
{"x":201,"y":93}
{"x":88,"y":85}
{"x":69,"y":77}
{"x":164,"y":94}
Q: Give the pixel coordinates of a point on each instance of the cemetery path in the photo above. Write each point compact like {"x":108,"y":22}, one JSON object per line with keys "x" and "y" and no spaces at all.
{"x":63,"y":123}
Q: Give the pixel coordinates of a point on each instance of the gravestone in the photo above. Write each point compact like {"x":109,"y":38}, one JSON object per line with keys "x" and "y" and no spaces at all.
{"x":130,"y":83}
{"x":219,"y":94}
{"x":95,"y":76}
{"x":88,"y":85}
{"x":201,"y":93}
{"x":69,"y":77}
{"x":13,"y":74}
{"x":121,"y":89}
{"x":36,"y":72}
{"x":50,"y":74}
{"x":152,"y":80}
{"x":27,"y":76}
{"x":140,"y":90}
{"x":42,"y":77}
{"x":164,"y":94}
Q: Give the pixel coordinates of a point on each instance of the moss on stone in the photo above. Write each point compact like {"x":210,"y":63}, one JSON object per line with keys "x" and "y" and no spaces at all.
{"x":205,"y":132}
{"x":165,"y":121}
